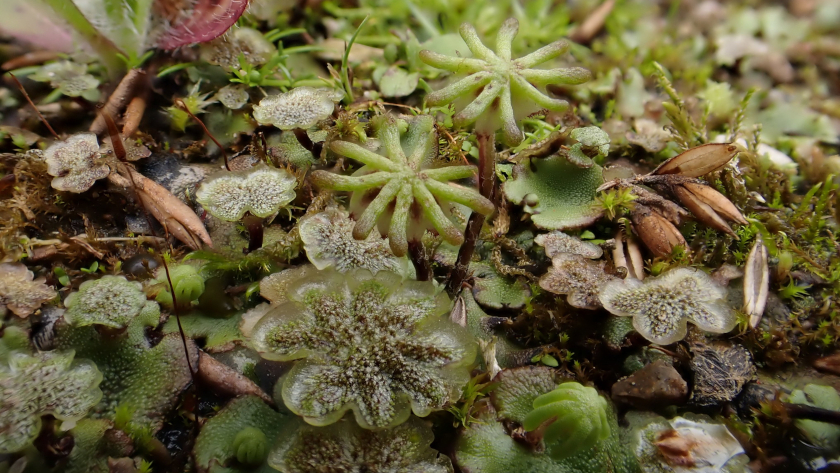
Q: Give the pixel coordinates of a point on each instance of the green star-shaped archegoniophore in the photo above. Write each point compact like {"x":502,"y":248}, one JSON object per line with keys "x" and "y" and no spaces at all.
{"x":413,"y":176}
{"x":509,"y":88}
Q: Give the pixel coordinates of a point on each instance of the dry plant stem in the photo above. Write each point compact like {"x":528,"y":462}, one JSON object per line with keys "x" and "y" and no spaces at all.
{"x":43,"y":120}
{"x":29,"y":59}
{"x":804,"y":411}
{"x":254,"y":225}
{"x":486,"y":186}
{"x":224,"y":380}
{"x":303,"y":139}
{"x":203,"y":127}
{"x":134,"y":114}
{"x":419,"y":260}
{"x":122,"y":95}
{"x":593,"y":23}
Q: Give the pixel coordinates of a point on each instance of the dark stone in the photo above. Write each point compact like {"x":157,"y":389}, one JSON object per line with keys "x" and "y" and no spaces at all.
{"x":656,"y":385}
{"x":720,"y":372}
{"x":752,"y":396}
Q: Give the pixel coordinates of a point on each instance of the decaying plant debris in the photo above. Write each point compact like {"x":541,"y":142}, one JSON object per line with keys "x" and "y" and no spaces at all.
{"x":476,"y":236}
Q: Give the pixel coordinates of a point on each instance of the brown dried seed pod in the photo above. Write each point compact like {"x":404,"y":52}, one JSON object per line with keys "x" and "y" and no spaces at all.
{"x":701,"y":210}
{"x":627,"y":254}
{"x":699,"y":161}
{"x":756,"y":282}
{"x":717,"y":201}
{"x":664,"y":207}
{"x":656,"y":232}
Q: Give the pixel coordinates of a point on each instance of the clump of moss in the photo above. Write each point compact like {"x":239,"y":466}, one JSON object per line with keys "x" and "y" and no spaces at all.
{"x":140,"y":377}
{"x":533,"y":424}
{"x":76,"y":163}
{"x":301,"y":107}
{"x":19,"y":292}
{"x":328,"y":240}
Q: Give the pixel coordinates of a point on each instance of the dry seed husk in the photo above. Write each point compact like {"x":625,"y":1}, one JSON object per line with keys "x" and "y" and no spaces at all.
{"x":699,"y":161}
{"x":756,"y":282}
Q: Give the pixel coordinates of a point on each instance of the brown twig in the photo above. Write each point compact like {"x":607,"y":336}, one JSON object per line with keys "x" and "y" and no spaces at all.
{"x":804,"y":411}
{"x":203,"y":127}
{"x":122,"y":95}
{"x":134,"y":114}
{"x":29,"y":59}
{"x":486,"y":186}
{"x":593,"y":23}
{"x":31,"y":103}
{"x":419,"y":260}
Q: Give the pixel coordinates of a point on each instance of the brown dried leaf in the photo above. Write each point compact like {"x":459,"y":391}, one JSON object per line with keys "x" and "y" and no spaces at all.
{"x":717,"y":201}
{"x":459,"y":312}
{"x":699,"y":161}
{"x":178,"y":218}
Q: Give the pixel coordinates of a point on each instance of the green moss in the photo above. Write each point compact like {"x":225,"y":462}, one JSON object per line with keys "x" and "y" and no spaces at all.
{"x":146,"y":379}
{"x":230,"y":441}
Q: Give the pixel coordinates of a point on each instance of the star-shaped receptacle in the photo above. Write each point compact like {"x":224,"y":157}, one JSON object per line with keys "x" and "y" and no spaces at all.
{"x":412,"y":176}
{"x":502,"y":90}
{"x":378,"y":345}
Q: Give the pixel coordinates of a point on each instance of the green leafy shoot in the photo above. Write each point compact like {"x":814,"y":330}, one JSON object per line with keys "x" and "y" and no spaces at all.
{"x":477,"y":388}
{"x":616,"y":202}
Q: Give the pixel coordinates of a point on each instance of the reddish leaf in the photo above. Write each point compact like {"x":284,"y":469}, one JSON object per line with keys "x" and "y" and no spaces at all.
{"x":208,"y":19}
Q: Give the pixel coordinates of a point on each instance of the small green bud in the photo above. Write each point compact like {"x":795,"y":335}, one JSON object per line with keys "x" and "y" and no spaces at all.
{"x":250,"y":446}
{"x":391,"y":53}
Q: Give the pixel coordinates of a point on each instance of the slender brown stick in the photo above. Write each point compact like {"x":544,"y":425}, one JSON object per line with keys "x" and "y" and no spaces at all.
{"x":43,"y":120}
{"x":804,"y":411}
{"x":254,"y":225}
{"x":486,"y":186}
{"x":419,"y":260}
{"x":221,"y":148}
{"x":119,"y":152}
{"x":119,"y":98}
